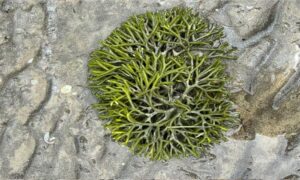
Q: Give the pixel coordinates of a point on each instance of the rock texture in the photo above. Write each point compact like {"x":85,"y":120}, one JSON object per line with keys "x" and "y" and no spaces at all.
{"x":49,"y":131}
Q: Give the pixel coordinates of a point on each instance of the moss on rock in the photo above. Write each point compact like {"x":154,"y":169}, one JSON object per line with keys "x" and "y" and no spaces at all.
{"x":160,"y":83}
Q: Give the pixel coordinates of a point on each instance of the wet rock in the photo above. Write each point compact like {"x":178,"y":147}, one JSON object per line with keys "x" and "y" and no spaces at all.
{"x":23,"y":41}
{"x":45,"y":47}
{"x":5,"y":27}
{"x":250,"y":17}
{"x":22,"y":96}
{"x":18,"y":147}
{"x":11,"y":5}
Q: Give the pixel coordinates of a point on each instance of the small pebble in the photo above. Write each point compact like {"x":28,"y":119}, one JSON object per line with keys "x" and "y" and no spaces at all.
{"x":34,"y":81}
{"x":273,"y":77}
{"x":249,"y":7}
{"x":48,"y":139}
{"x":296,"y":61}
{"x":66,"y":89}
{"x":54,"y":88}
{"x":30,"y":61}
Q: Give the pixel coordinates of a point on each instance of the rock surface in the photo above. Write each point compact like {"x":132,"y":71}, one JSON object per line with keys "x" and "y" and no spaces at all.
{"x":49,"y":131}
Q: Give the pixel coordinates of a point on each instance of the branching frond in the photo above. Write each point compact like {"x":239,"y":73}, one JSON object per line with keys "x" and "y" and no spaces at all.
{"x":159,"y":79}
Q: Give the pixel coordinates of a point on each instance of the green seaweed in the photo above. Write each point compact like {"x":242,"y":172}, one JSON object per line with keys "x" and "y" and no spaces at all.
{"x":160,"y":83}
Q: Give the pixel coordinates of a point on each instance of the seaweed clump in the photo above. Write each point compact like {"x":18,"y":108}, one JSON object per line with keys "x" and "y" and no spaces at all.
{"x":160,"y":83}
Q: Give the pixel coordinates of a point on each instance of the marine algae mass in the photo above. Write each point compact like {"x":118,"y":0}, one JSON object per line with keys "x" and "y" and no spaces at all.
{"x":160,"y":83}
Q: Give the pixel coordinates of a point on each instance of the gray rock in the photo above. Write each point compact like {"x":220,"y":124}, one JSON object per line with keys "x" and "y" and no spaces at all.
{"x":45,"y":46}
{"x":11,"y":5}
{"x":23,"y":96}
{"x":250,"y":17}
{"x":4,"y":29}
{"x":17,"y":150}
{"x":23,"y":42}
